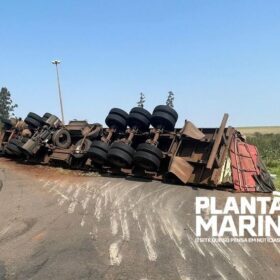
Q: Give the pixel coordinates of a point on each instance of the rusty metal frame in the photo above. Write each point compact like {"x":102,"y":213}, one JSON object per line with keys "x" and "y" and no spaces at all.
{"x":191,"y":155}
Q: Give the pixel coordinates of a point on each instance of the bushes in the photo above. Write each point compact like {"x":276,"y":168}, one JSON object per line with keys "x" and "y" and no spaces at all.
{"x":268,"y":146}
{"x":269,"y":149}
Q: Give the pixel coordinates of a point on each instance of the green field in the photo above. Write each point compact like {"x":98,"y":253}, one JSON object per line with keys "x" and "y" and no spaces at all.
{"x":267,"y":139}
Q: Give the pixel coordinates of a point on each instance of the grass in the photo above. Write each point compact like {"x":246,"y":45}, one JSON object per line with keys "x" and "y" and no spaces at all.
{"x":249,"y":131}
{"x":267,"y":140}
{"x":276,"y":170}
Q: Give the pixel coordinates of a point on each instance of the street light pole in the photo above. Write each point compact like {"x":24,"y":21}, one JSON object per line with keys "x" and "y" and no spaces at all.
{"x":56,"y":62}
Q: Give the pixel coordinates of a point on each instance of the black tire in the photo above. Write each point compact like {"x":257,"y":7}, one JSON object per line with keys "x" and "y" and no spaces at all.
{"x":148,"y":157}
{"x":124,"y":147}
{"x":120,"y":112}
{"x":7,"y":123}
{"x":98,"y":152}
{"x":46,"y":116}
{"x":120,"y":155}
{"x":166,"y":109}
{"x":141,"y":111}
{"x":35,"y":117}
{"x":8,"y":152}
{"x":17,"y":142}
{"x":84,"y":149}
{"x":119,"y":158}
{"x":62,"y":138}
{"x":163,"y":121}
{"x":100,"y":145}
{"x":146,"y":161}
{"x":145,"y":147}
{"x":14,"y":149}
{"x":97,"y":156}
{"x":116,"y":121}
{"x":139,"y":118}
{"x":32,"y":123}
{"x":164,"y":117}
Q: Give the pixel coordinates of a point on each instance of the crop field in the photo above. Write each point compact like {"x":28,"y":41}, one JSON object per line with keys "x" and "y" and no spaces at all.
{"x":267,"y":139}
{"x":259,"y":129}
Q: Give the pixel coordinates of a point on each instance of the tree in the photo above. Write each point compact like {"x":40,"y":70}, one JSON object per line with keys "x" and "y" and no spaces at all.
{"x":141,"y":102}
{"x":6,"y":104}
{"x":170,"y":99}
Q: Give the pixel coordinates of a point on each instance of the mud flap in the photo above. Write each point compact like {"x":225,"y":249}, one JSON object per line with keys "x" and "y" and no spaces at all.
{"x":181,"y":169}
{"x":190,"y":130}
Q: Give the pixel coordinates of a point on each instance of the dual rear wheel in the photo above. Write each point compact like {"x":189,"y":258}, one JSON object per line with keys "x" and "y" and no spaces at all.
{"x":148,"y":156}
{"x":122,"y":155}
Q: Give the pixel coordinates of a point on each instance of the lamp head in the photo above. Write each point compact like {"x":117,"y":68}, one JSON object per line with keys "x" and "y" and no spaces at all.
{"x":56,"y":62}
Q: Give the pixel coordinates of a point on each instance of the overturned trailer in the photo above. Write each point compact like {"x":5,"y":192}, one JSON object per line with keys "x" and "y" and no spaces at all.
{"x":212,"y":157}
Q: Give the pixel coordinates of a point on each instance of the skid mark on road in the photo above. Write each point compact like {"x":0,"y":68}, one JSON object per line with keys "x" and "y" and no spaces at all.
{"x":124,"y":225}
{"x":114,"y":252}
{"x":4,"y":230}
{"x":114,"y":223}
{"x":152,"y":255}
{"x":221,"y":274}
{"x":182,"y":273}
{"x":74,"y":199}
{"x":130,"y":209}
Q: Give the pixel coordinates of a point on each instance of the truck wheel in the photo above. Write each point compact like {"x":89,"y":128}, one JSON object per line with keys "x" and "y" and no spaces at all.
{"x":117,"y":118}
{"x":62,"y":139}
{"x":139,"y":118}
{"x":46,"y":116}
{"x":14,"y":149}
{"x":8,"y":152}
{"x":17,"y":142}
{"x":120,"y":112}
{"x":120,"y":155}
{"x":83,"y":149}
{"x":32,"y":123}
{"x":35,"y":117}
{"x":7,"y":123}
{"x":148,"y":157}
{"x":166,"y":109}
{"x":164,"y":117}
{"x":98,"y":152}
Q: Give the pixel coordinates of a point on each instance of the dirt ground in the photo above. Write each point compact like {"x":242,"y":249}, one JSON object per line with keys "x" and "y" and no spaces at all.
{"x":62,"y":224}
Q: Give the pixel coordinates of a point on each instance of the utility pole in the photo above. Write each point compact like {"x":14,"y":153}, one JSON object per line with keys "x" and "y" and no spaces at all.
{"x":56,"y":62}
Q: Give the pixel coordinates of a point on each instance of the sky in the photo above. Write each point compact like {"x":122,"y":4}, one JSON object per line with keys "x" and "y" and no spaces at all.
{"x":216,"y":56}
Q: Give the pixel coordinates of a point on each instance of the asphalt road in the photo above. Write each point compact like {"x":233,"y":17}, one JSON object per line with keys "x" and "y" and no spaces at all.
{"x":59,"y":224}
